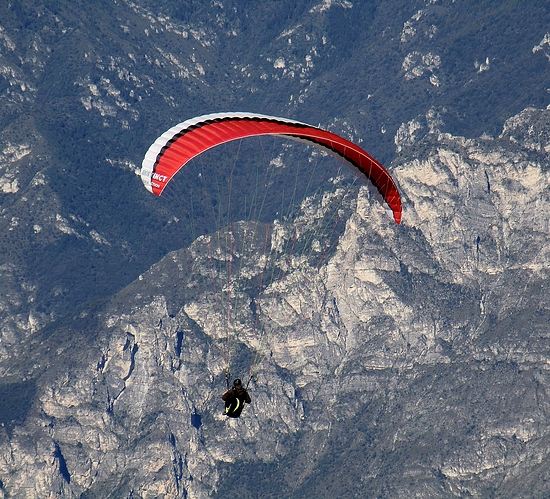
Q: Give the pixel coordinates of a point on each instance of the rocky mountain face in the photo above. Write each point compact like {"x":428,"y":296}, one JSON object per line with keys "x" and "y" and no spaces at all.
{"x":414,"y":362}
{"x":394,"y":361}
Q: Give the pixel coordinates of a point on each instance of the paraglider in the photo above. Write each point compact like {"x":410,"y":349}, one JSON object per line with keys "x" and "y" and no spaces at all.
{"x":175,"y":147}
{"x":178,"y":146}
{"x":235,"y":398}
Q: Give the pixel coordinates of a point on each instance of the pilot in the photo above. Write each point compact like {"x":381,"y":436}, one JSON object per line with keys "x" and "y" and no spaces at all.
{"x":235,"y":398}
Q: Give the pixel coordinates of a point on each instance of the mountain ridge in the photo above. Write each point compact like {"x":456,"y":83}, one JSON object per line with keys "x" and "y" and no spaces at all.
{"x":411,"y":360}
{"x":401,"y":324}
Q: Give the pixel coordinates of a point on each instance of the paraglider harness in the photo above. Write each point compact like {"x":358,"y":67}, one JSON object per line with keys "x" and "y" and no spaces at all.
{"x":235,"y":402}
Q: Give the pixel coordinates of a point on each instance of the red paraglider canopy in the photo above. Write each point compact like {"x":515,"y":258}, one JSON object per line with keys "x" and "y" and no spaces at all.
{"x":174,"y":148}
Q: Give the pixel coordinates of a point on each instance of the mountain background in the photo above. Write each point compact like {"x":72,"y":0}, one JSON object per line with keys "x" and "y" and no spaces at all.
{"x":422,"y":370}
